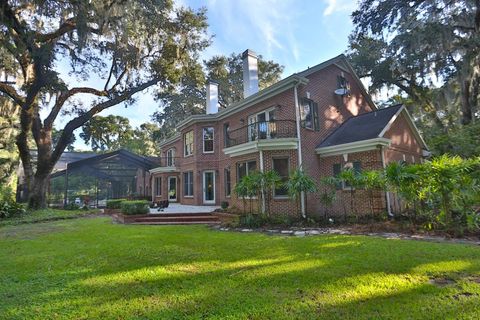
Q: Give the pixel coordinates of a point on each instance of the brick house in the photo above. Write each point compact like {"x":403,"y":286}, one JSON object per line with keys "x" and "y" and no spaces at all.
{"x":321,"y":119}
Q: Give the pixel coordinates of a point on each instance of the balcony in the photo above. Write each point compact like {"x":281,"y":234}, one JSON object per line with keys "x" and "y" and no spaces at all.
{"x":264,"y":135}
{"x":166,"y":164}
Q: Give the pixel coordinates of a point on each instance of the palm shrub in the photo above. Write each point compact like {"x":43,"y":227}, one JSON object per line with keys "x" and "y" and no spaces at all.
{"x":352,"y":179}
{"x":372,"y":180}
{"x":328,"y":194}
{"x":299,"y":182}
{"x":241,"y":191}
{"x":448,"y":183}
{"x":255,"y":184}
{"x":271,"y":181}
{"x":398,"y":179}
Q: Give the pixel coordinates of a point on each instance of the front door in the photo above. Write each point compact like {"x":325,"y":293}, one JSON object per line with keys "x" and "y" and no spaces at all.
{"x":209,"y":187}
{"x":172,"y":189}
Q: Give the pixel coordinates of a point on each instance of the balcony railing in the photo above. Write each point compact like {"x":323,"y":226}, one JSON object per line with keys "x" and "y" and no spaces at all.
{"x":264,"y":130}
{"x":168,"y":161}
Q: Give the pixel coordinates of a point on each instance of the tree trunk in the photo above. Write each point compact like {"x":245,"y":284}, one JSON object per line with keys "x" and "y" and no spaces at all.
{"x":467,"y":114}
{"x":37,"y":196}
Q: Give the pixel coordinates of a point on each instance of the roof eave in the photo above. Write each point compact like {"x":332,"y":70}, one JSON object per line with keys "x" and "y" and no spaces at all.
{"x":352,"y":147}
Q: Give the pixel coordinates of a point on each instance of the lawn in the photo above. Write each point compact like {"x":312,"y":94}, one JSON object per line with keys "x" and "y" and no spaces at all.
{"x":93,"y":269}
{"x":46,"y":215}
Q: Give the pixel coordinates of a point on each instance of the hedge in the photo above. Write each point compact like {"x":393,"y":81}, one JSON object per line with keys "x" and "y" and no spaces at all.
{"x":135,"y":207}
{"x":115,"y":203}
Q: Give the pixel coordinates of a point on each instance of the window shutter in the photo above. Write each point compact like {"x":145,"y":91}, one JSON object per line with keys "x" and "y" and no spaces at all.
{"x":357,"y":167}
{"x":337,"y":168}
{"x":316,"y":121}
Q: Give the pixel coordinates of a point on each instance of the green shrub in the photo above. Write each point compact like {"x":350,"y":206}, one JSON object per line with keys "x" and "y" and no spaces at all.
{"x":8,"y":206}
{"x":253,"y":220}
{"x":115,"y":203}
{"x":135,"y":207}
{"x":224,"y":205}
{"x":71,"y":206}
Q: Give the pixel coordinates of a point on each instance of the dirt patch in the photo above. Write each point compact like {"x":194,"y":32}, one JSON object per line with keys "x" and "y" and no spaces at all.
{"x":460,"y":295}
{"x":29,"y":231}
{"x":442,"y":281}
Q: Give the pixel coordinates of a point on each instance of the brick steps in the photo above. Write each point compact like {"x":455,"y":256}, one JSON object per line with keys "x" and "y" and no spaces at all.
{"x":169,"y":219}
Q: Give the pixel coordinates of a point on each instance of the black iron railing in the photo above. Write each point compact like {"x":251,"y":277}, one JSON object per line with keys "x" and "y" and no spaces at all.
{"x":168,"y":161}
{"x":274,"y":129}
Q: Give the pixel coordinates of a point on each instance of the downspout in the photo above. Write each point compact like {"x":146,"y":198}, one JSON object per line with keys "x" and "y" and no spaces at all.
{"x":387,"y":194}
{"x":263,"y":190}
{"x":300,"y":162}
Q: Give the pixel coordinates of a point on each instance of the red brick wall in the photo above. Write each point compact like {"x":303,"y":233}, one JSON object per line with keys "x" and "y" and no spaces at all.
{"x":404,"y":144}
{"x":370,"y":160}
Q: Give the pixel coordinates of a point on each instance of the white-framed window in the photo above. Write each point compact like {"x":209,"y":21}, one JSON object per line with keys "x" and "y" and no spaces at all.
{"x":337,"y":168}
{"x":158,"y":186}
{"x":188,"y":184}
{"x":188,"y":143}
{"x":281,"y":165}
{"x":244,"y":168}
{"x":171,"y":157}
{"x":208,"y":134}
{"x":309,"y":114}
{"x":262,"y":125}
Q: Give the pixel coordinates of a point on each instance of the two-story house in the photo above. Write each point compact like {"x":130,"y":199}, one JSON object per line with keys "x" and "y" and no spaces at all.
{"x":321,"y":119}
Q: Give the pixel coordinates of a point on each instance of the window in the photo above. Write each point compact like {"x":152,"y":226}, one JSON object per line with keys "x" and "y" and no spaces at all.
{"x":208,"y":139}
{"x":228,"y":182}
{"x":309,"y":115}
{"x":281,"y":167}
{"x":226,"y":135}
{"x":188,"y":184}
{"x":337,"y":168}
{"x":188,"y":143}
{"x":342,"y":83}
{"x":171,"y":158}
{"x":158,"y":186}
{"x":244,"y":168}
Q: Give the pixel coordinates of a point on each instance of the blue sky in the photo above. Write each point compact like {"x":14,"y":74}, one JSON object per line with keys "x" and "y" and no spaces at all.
{"x":297,"y":34}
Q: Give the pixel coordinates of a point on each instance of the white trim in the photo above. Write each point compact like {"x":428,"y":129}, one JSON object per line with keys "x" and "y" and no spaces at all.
{"x":172,"y":150}
{"x":173,"y":138}
{"x":300,"y":158}
{"x":352,"y":147}
{"x":389,"y":124}
{"x":387,"y":194}
{"x":205,"y":187}
{"x":258,"y":97}
{"x":410,"y":122}
{"x":263,"y":191}
{"x":263,"y":144}
{"x":163,"y":169}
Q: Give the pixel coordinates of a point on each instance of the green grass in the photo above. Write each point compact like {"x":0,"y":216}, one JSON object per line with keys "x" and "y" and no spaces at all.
{"x":93,"y":269}
{"x":46,"y":215}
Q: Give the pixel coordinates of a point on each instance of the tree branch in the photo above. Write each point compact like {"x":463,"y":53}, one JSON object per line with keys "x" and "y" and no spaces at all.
{"x":11,"y":92}
{"x":77,"y":122}
{"x":64,"y":96}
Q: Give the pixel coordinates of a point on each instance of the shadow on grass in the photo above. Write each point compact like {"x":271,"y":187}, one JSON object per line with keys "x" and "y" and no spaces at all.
{"x":97,"y":269}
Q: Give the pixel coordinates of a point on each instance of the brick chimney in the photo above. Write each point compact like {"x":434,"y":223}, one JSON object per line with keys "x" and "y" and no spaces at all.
{"x":250,"y":73}
{"x":212,"y":97}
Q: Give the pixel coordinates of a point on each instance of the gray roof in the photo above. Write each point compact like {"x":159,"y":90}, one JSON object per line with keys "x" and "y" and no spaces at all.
{"x":362,"y":127}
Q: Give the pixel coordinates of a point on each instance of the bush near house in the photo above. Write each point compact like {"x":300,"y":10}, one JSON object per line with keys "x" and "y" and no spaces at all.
{"x":8,"y":206}
{"x":440,"y":194}
{"x":115,"y":203}
{"x":135,"y":207}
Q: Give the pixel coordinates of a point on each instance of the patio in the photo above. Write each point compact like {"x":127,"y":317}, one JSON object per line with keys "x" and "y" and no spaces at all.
{"x":176,"y":208}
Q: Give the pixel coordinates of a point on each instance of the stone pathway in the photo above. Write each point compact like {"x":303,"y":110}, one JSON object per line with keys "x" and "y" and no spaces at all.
{"x":319,"y":231}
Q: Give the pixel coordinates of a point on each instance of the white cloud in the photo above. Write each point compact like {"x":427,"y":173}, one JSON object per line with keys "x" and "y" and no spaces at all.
{"x":339,"y":6}
{"x":264,"y":26}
